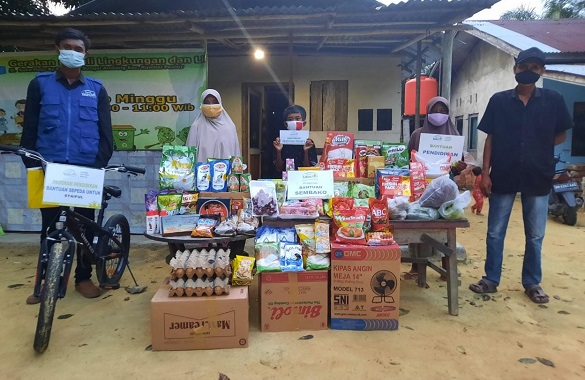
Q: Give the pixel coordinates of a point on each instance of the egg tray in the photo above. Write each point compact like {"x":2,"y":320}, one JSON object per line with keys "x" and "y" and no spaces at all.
{"x":201,"y":287}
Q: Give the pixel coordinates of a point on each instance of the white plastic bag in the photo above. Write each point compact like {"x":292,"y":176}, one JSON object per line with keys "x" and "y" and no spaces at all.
{"x":398,"y":207}
{"x":439,"y":191}
{"x":454,"y":209}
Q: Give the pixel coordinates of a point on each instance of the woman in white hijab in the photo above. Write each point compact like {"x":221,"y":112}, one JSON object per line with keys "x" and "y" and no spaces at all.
{"x":213,"y":132}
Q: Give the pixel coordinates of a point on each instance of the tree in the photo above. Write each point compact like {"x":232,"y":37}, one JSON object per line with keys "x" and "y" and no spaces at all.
{"x":34,"y":6}
{"x":557,"y":9}
{"x":521,"y":13}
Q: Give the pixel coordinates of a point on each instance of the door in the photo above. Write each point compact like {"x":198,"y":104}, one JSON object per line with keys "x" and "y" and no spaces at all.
{"x":255,"y":122}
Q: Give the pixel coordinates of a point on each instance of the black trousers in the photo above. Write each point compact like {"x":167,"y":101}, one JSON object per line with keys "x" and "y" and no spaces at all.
{"x":49,"y":217}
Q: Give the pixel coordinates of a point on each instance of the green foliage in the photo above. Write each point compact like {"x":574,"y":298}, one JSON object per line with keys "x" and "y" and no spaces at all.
{"x":521,"y":13}
{"x":557,"y":9}
{"x":34,"y":6}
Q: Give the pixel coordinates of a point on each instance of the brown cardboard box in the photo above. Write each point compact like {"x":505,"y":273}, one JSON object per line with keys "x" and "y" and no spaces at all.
{"x":199,"y":323}
{"x":293,"y":301}
{"x":365,"y":287}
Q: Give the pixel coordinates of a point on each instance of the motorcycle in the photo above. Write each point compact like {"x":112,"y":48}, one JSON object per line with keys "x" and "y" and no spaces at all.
{"x":566,"y":196}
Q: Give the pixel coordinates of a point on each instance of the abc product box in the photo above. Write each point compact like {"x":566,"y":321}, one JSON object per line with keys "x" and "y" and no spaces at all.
{"x":199,"y":323}
{"x":365,"y":287}
{"x":293,"y":301}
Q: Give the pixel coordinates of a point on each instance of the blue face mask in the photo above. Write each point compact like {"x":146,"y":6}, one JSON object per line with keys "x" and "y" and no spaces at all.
{"x":71,"y":58}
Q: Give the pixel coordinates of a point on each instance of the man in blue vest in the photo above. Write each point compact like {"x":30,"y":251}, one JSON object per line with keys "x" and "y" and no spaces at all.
{"x":67,"y":120}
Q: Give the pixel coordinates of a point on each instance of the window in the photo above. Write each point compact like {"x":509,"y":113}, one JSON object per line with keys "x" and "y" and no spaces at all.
{"x":578,"y":139}
{"x":472,"y":130}
{"x":459,"y":124}
{"x":384,"y":119}
{"x":365,"y":120}
{"x":329,"y":105}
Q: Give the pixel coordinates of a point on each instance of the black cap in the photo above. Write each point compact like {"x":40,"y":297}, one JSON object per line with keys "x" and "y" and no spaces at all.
{"x":533,"y":53}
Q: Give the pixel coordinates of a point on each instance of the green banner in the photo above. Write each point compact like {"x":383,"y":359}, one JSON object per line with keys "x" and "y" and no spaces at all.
{"x":154,"y":94}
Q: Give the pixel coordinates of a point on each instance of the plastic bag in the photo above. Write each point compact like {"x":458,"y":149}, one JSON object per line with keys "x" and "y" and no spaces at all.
{"x":398,"y":208}
{"x":416,"y":212}
{"x":454,"y":209}
{"x":439,"y":191}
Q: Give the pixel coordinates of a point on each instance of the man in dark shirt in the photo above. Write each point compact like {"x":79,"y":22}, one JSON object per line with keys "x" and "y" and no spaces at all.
{"x":523,"y":126}
{"x":303,"y":156}
{"x":67,"y":120}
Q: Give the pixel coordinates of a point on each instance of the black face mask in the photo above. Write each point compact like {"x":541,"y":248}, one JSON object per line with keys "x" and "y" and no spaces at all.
{"x":527,"y":77}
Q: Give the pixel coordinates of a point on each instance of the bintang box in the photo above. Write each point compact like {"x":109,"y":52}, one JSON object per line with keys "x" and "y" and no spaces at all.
{"x":293,"y":301}
{"x":199,"y":323}
{"x":365,"y":287}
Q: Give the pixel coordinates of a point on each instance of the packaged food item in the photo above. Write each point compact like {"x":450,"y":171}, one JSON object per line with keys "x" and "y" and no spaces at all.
{"x":237,"y":164}
{"x":319,"y":261}
{"x":285,"y":176}
{"x":363,"y":149}
{"x":247,"y":222}
{"x":235,"y":206}
{"x":379,"y":210}
{"x":233,"y":182}
{"x":150,"y":200}
{"x":299,"y":209}
{"x":418,"y":180}
{"x":205,"y":226}
{"x":227,"y":227}
{"x":242,"y":273}
{"x":361,"y":202}
{"x":245,"y":183}
{"x":342,"y":167}
{"x":374,"y":163}
{"x":395,"y":155}
{"x":350,"y":226}
{"x":322,"y":244}
{"x":264,"y":201}
{"x":289,"y":164}
{"x":341,"y":189}
{"x":379,"y":238}
{"x":361,"y":191}
{"x":189,"y":202}
{"x":340,"y":145}
{"x":366,"y":210}
{"x":203,"y":176}
{"x":152,"y":222}
{"x":177,"y":167}
{"x":267,"y":257}
{"x":169,"y":204}
{"x":342,"y":204}
{"x":293,"y":258}
{"x":280,"y":187}
{"x":219,"y":173}
{"x":214,"y":206}
{"x":306,"y":234}
{"x":393,"y":186}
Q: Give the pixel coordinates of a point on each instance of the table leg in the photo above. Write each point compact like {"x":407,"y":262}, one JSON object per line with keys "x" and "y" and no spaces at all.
{"x":452,"y":280}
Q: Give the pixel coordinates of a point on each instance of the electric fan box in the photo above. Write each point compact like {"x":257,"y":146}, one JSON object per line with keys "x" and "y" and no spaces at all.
{"x":365,"y":287}
{"x":294,"y":301}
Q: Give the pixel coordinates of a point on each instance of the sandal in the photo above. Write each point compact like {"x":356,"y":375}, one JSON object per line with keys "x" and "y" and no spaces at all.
{"x":483,"y":286}
{"x":536,"y":294}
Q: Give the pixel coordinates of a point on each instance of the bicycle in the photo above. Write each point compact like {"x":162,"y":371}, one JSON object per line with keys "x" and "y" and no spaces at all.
{"x":109,"y":249}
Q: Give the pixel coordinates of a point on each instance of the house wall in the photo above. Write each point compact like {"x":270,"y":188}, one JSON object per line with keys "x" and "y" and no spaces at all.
{"x":373,"y":82}
{"x":486,"y":71}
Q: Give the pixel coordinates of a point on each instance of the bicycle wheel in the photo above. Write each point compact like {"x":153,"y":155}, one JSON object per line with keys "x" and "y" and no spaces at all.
{"x":49,"y":294}
{"x":112,"y":258}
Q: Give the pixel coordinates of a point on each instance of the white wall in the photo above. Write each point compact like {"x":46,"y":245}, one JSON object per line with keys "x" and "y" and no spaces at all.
{"x":487,"y":70}
{"x":373,"y":82}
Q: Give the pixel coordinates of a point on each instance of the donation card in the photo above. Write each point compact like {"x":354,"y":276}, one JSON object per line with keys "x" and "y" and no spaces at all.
{"x":304,"y":184}
{"x":77,"y":186}
{"x":294,"y":137}
{"x":436,"y":147}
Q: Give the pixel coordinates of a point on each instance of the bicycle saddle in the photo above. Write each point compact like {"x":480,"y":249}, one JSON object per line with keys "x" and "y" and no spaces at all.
{"x":114,"y":191}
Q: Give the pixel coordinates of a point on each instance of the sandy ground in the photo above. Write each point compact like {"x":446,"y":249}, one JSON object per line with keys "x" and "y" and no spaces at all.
{"x":107,"y":337}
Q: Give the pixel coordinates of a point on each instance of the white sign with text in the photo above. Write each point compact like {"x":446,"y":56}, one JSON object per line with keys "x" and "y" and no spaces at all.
{"x":294,"y":137}
{"x":77,"y":186}
{"x":304,"y":184}
{"x":437,"y":147}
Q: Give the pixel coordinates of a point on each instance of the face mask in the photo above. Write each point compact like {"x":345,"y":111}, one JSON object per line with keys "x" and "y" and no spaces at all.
{"x":527,"y":77}
{"x":438,"y":119}
{"x":71,"y":58}
{"x":294,"y":125}
{"x":211,"y":110}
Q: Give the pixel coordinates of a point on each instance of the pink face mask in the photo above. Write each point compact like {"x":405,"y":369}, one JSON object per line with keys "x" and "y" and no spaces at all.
{"x":438,"y":119}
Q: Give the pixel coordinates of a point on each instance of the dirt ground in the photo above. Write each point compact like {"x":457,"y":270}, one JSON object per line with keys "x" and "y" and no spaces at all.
{"x":108,"y":336}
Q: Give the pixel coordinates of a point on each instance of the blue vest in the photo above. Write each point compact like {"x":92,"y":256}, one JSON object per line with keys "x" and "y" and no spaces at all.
{"x":68,"y":121}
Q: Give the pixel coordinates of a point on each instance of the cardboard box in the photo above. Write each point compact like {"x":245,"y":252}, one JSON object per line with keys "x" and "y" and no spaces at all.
{"x":199,"y":323}
{"x":293,"y":301}
{"x":178,"y":225}
{"x":365,"y":287}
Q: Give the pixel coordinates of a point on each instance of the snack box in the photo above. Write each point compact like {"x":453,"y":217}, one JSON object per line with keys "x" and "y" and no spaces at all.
{"x":365,"y":287}
{"x":293,"y":301}
{"x":340,"y":145}
{"x":219,"y":206}
{"x":178,"y":225}
{"x":199,"y":323}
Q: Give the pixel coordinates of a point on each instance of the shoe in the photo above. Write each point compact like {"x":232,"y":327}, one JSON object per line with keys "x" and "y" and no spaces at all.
{"x":33,"y":300}
{"x":88,"y":289}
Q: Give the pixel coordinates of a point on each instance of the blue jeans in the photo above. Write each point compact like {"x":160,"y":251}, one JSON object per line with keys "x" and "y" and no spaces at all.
{"x":534,"y":214}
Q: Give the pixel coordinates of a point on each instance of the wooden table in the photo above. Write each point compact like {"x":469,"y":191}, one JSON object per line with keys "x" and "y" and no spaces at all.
{"x":426,"y":237}
{"x":177,"y":243}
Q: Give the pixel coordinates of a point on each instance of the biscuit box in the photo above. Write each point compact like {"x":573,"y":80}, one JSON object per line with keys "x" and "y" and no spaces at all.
{"x":365,"y":287}
{"x":199,"y":323}
{"x":294,"y":301}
